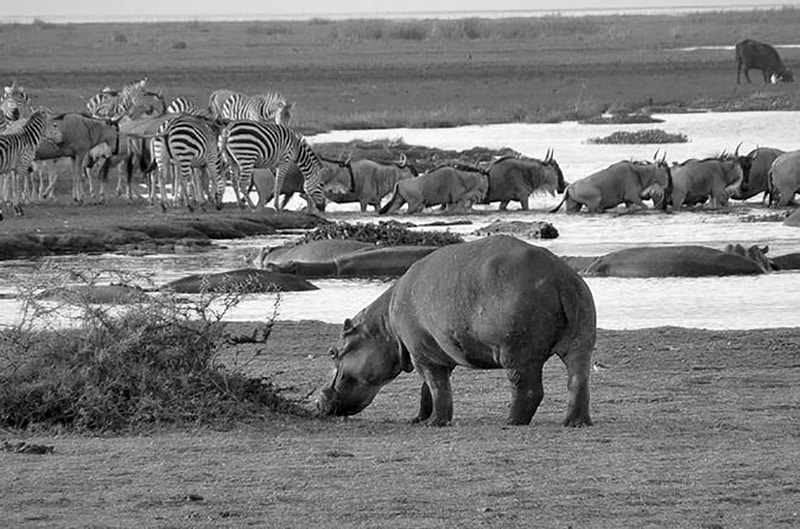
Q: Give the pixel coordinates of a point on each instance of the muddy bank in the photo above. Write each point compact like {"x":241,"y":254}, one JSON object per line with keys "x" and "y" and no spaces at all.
{"x":67,"y":229}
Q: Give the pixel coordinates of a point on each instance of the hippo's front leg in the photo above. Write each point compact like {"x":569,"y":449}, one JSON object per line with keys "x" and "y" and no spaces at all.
{"x":437,"y":380}
{"x":425,"y":404}
{"x":526,"y":393}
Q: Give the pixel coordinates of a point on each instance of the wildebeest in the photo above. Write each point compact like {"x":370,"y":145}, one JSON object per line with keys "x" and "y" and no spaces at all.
{"x":364,"y":181}
{"x":756,"y":180}
{"x":512,"y":178}
{"x":754,"y":55}
{"x":263,"y":179}
{"x":626,"y":182}
{"x":695,"y":181}
{"x":784,"y":178}
{"x":446,"y":185}
{"x":78,"y":135}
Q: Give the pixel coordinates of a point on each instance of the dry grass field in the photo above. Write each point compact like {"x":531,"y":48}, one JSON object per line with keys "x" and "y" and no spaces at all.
{"x":375,"y":73}
{"x":693,"y":428}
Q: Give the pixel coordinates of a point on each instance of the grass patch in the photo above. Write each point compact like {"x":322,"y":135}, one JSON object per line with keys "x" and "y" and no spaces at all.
{"x":75,"y":365}
{"x":640,"y":136}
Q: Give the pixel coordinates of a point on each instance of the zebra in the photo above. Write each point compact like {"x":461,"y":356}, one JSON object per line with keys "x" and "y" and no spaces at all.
{"x":246,"y":145}
{"x":189,"y":142}
{"x":112,"y":105}
{"x":17,"y":151}
{"x":183,"y":105}
{"x":13,"y":105}
{"x":266,"y":108}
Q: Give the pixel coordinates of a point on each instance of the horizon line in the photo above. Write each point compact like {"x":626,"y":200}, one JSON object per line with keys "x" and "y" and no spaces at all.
{"x":391,"y":15}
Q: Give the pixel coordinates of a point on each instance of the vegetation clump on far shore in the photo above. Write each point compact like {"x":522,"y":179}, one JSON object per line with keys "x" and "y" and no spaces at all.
{"x":385,"y":233}
{"x":640,"y":136}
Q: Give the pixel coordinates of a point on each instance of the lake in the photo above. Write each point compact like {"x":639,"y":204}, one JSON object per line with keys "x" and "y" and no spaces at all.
{"x":714,"y":303}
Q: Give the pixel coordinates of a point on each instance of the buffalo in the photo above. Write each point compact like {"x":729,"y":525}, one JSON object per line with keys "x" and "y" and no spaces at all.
{"x":754,"y":55}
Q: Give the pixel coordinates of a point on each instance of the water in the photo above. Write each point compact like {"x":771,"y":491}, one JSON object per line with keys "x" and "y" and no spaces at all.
{"x":714,"y":303}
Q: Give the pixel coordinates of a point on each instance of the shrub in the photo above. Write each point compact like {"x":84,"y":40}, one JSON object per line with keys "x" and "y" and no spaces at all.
{"x":410,"y":31}
{"x":388,"y":233}
{"x":180,"y":45}
{"x":268,"y":29}
{"x":73,"y":364}
{"x":120,"y":38}
{"x":641,"y":136}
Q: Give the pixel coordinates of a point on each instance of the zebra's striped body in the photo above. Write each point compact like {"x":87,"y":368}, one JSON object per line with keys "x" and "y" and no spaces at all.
{"x":190,"y":142}
{"x":109,"y":104}
{"x":17,"y":151}
{"x":266,"y":108}
{"x":249,"y":144}
{"x":183,"y":105}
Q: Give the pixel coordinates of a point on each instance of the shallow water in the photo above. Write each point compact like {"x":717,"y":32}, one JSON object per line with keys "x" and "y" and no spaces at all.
{"x":715,"y":303}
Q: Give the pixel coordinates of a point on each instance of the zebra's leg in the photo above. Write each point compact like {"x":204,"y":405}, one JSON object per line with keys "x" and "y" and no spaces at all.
{"x":280,"y":174}
{"x":314,"y":195}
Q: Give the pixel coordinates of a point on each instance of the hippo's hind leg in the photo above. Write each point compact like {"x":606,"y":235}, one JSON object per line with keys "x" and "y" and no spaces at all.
{"x":527,"y":393}
{"x":578,"y":365}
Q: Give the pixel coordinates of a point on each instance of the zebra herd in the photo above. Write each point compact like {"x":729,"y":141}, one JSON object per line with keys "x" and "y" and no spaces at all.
{"x":196,"y":150}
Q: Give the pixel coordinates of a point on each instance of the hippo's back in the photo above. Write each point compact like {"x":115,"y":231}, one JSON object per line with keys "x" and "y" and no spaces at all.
{"x":492,"y":295}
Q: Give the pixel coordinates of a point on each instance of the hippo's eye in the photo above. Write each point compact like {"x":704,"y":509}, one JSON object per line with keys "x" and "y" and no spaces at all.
{"x":333,"y":352}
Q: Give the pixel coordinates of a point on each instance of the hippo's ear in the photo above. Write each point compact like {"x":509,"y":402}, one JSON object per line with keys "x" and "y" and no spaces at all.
{"x":348,"y":327}
{"x":764,"y":249}
{"x":405,"y":358}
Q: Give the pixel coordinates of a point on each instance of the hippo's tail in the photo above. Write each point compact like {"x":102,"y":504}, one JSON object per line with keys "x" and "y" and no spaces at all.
{"x":566,"y":196}
{"x":396,"y":199}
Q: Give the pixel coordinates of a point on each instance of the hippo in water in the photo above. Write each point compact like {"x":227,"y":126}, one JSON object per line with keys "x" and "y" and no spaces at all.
{"x":493,"y":303}
{"x":680,"y":261}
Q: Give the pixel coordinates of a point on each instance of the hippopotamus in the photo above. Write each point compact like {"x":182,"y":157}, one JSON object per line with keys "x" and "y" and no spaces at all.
{"x":312,"y":252}
{"x":377,"y":261}
{"x":493,"y":303}
{"x":678,"y":261}
{"x":246,"y":280}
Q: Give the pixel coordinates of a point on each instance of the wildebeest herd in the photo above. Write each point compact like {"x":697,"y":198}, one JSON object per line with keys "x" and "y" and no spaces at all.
{"x":187,"y":155}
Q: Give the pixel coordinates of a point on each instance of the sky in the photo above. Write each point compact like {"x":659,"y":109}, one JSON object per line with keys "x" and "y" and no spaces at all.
{"x":151,"y":9}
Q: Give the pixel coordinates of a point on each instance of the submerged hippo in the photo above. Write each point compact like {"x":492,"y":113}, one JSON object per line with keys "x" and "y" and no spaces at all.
{"x":678,"y":261}
{"x":378,"y":261}
{"x":493,"y":303}
{"x":248,"y":280}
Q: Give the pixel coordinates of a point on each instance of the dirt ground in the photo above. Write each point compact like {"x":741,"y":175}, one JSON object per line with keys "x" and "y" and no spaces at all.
{"x":692,"y":428}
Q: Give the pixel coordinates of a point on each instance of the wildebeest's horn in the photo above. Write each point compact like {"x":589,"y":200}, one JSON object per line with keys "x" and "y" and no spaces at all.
{"x":736,"y":152}
{"x":655,"y":155}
